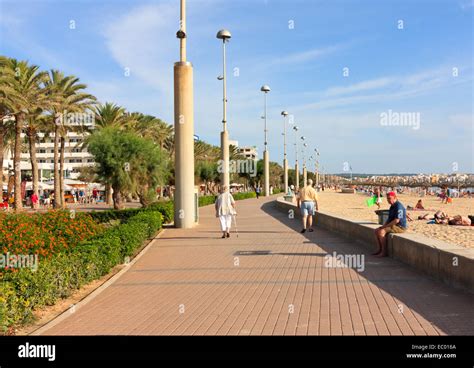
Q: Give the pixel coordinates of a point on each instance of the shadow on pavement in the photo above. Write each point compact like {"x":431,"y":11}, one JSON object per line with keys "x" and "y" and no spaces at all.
{"x":449,"y":309}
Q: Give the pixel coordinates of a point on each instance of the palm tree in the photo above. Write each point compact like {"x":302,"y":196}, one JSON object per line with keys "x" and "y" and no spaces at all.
{"x":26,"y":81}
{"x":7,"y":121}
{"x":206,"y":152}
{"x":7,"y":136}
{"x":8,"y":96}
{"x":109,"y":114}
{"x":34,"y":124}
{"x":67,"y":97}
{"x":151,"y":127}
{"x":206,"y":158}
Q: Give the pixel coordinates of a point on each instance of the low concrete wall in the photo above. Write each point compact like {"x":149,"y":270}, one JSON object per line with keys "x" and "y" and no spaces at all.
{"x":449,"y":263}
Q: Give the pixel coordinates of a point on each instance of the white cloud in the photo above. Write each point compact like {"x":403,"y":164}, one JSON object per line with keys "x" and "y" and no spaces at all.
{"x":467,"y":4}
{"x":388,"y":88}
{"x":144,"y":41}
{"x":362,"y":86}
{"x":305,"y":56}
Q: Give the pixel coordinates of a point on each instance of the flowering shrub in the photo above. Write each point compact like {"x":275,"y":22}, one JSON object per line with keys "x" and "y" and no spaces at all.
{"x":45,"y":234}
{"x":63,"y":272}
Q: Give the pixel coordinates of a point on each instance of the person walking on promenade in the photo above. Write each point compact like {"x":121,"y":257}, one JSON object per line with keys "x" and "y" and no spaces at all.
{"x":396,"y":223}
{"x":257,"y":191}
{"x":34,"y":201}
{"x":378,"y":199}
{"x":308,"y":201}
{"x":225,"y":209}
{"x":95,"y":195}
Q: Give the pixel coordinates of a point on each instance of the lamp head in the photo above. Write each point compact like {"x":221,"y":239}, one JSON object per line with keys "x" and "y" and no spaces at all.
{"x":223,"y":35}
{"x":284,"y":113}
{"x":265,"y":88}
{"x":220,"y":77}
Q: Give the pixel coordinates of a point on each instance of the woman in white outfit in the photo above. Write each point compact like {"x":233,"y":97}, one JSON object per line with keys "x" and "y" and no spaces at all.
{"x":225,"y":209}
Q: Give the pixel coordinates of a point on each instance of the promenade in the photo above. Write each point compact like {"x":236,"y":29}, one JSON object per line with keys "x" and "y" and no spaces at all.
{"x":270,"y":280}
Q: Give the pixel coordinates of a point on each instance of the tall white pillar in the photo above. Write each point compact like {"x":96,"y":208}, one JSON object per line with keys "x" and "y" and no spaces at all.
{"x":184,"y":203}
{"x":225,"y":175}
{"x":297,"y":174}
{"x":266,"y":163}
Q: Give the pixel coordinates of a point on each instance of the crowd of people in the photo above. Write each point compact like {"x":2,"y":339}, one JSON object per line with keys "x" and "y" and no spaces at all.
{"x":46,"y":198}
{"x":307,"y":202}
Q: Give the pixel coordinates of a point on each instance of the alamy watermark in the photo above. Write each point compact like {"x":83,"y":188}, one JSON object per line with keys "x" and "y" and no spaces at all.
{"x":334,"y":260}
{"x":19,"y":261}
{"x":239,"y":167}
{"x":37,"y":351}
{"x":74,"y":118}
{"x":393,"y":118}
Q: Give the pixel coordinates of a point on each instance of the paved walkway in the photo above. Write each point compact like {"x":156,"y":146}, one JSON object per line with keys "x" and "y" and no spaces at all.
{"x":269,"y":280}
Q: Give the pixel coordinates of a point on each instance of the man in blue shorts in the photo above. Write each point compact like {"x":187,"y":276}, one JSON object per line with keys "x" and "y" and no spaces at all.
{"x":308,"y":201}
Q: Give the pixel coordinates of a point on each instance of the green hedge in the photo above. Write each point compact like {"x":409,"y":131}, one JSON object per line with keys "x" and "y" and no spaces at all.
{"x":166,"y":208}
{"x":108,"y":215}
{"x":207,"y":200}
{"x":24,"y":291}
{"x":246,"y":195}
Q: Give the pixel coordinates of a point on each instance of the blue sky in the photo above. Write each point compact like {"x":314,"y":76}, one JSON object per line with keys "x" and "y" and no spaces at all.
{"x":299,"y":48}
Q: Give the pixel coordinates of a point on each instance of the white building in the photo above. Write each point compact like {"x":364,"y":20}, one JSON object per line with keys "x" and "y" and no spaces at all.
{"x":74,"y":156}
{"x":249,"y":153}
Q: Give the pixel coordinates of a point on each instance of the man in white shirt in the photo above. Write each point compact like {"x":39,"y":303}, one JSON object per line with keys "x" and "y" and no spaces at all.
{"x":225,"y":209}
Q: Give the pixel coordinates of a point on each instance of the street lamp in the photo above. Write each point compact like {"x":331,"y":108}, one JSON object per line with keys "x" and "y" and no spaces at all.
{"x":323,"y":170}
{"x":303,"y":151}
{"x":185,"y":213}
{"x":225,"y":36}
{"x":266,"y":159}
{"x":317,"y":168}
{"x":285,"y":161}
{"x":297,"y":172}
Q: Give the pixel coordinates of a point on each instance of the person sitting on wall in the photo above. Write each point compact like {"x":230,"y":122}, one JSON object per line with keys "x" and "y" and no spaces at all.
{"x":396,"y":223}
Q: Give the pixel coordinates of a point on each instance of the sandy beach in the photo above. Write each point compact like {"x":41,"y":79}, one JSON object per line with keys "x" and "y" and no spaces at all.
{"x":353,"y":206}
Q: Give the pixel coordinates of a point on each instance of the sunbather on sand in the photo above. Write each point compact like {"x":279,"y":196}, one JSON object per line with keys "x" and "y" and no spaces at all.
{"x":419,"y":205}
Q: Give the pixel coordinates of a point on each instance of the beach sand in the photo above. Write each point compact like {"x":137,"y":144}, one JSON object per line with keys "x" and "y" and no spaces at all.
{"x":353,"y":206}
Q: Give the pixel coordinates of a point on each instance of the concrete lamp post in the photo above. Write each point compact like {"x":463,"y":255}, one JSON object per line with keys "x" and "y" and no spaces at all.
{"x":225,"y":36}
{"x":305,"y":171}
{"x":184,"y":200}
{"x":285,"y":161}
{"x":316,"y":173}
{"x":297,"y":170}
{"x":266,"y":156}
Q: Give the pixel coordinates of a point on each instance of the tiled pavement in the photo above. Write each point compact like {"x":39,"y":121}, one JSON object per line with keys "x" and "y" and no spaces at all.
{"x":269,"y":280}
